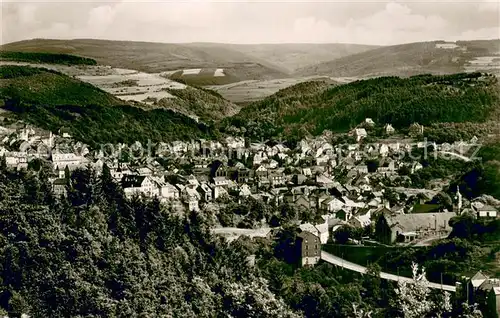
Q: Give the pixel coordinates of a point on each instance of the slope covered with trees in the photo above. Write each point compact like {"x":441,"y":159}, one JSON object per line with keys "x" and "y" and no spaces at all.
{"x":203,"y":103}
{"x":95,"y":253}
{"x":51,"y":58}
{"x":405,"y":59}
{"x":52,"y":100}
{"x":311,"y":108}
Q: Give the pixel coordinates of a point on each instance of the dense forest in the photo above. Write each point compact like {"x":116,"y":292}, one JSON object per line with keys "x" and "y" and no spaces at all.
{"x":48,"y":87}
{"x":206,"y":104}
{"x":51,"y":100}
{"x":49,"y":58}
{"x":425,"y":99}
{"x":95,"y":253}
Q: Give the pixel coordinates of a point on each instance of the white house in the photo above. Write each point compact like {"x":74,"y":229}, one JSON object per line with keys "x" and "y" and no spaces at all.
{"x":191,"y":197}
{"x":166,"y":190}
{"x":16,"y":159}
{"x":360,"y":133}
{"x":332,"y":204}
{"x":487,"y":211}
{"x":133,"y":184}
{"x":389,"y":129}
{"x":62,"y":160}
{"x":323,"y":232}
{"x":369,"y":122}
{"x":220,"y":181}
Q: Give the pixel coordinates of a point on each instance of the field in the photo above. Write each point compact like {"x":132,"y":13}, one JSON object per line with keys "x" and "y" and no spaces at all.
{"x":251,"y":91}
{"x":202,"y":76}
{"x":157,"y":57}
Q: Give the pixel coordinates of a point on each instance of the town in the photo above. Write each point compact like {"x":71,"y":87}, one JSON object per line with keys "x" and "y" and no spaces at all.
{"x":343,"y":184}
{"x":344,"y":193}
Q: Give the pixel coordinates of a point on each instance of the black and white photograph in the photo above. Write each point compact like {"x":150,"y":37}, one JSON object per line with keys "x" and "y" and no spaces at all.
{"x":250,"y":159}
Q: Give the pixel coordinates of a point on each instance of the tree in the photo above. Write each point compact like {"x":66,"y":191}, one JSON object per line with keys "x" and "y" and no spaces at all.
{"x":412,"y":298}
{"x":3,"y":163}
{"x":470,"y":311}
{"x":372,"y":282}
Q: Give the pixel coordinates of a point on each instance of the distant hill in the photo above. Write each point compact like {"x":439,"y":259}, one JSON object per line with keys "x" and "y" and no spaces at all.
{"x":52,"y":58}
{"x":312,"y":107}
{"x":411,"y":59}
{"x":52,"y":100}
{"x":294,"y":56}
{"x":234,"y":62}
{"x":156,"y":57}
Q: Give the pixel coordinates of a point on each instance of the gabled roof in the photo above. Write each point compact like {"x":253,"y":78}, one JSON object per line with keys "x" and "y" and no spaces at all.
{"x":478,"y":279}
{"x":59,"y":182}
{"x":132,"y":181}
{"x":489,"y":283}
{"x":416,"y":221}
{"x":308,"y":227}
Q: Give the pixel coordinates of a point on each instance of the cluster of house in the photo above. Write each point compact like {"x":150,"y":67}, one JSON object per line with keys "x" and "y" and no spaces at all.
{"x":484,"y":291}
{"x":191,"y":173}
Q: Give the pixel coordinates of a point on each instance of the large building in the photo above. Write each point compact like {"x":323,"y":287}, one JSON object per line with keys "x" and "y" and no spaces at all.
{"x":309,"y":246}
{"x":391,"y":228}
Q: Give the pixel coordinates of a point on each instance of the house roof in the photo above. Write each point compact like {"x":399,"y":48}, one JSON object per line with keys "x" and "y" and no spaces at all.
{"x":416,"y":221}
{"x":489,"y":283}
{"x":59,"y":181}
{"x":486,"y":208}
{"x":308,"y":227}
{"x":132,"y":181}
{"x":478,"y":279}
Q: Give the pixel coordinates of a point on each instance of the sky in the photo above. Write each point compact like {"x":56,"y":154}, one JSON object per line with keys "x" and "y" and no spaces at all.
{"x":321,"y":21}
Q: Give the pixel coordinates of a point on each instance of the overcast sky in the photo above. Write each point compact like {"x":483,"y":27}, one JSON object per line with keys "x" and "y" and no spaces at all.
{"x":367,"y":22}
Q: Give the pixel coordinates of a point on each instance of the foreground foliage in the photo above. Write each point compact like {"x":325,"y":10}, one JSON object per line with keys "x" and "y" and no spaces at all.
{"x":95,"y":253}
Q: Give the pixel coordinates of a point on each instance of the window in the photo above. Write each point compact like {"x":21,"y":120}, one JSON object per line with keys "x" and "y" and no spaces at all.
{"x":307,"y":253}
{"x":307,"y":247}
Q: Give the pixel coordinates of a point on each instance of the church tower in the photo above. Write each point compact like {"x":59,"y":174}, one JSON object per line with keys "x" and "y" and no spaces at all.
{"x":458,"y":197}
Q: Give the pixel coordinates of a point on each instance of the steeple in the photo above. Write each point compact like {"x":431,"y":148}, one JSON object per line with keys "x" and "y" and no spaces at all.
{"x":459,"y":201}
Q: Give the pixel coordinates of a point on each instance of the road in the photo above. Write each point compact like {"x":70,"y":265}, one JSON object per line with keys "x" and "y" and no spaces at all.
{"x":456,"y":155}
{"x":332,"y":259}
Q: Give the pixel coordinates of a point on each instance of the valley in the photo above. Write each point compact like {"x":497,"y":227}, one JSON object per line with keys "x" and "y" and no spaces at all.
{"x":207,"y":180}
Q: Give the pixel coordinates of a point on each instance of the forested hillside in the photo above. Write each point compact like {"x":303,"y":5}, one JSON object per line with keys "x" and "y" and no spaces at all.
{"x":406,"y":59}
{"x":97,"y":254}
{"x":51,"y":58}
{"x":51,"y":100}
{"x":310,"y":108}
{"x":206,"y":104}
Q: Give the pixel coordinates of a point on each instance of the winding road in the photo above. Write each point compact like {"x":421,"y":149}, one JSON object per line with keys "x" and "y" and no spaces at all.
{"x":332,"y":259}
{"x":456,"y":155}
